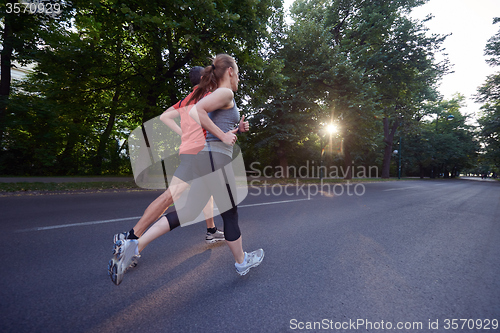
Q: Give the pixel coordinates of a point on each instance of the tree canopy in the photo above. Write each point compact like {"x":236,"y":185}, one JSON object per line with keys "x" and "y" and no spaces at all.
{"x":104,"y":67}
{"x":489,"y":121}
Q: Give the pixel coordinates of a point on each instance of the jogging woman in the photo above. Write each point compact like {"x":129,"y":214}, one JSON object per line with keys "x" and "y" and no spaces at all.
{"x":192,"y":141}
{"x":215,"y":177}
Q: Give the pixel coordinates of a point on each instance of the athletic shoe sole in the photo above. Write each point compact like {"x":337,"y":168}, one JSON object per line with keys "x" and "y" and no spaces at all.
{"x":119,"y":237}
{"x":112,"y":272}
{"x":117,"y":248}
{"x":115,"y":271}
{"x":214,"y":240}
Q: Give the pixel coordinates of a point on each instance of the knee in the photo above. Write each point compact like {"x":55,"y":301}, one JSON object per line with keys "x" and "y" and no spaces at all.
{"x":166,"y":198}
{"x":173,"y":220}
{"x":231,"y":227}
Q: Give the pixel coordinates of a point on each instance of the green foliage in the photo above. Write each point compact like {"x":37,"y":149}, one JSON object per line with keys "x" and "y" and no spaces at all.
{"x":352,"y":62}
{"x":490,"y":133}
{"x":492,"y":48}
{"x":68,"y":187}
{"x":444,"y":144}
{"x":489,"y":121}
{"x":107,"y":66}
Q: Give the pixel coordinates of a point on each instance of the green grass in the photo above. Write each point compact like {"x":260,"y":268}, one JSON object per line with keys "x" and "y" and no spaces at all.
{"x":58,"y":187}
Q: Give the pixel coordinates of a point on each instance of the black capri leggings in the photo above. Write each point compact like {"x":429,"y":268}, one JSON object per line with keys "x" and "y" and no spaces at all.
{"x":215,"y":178}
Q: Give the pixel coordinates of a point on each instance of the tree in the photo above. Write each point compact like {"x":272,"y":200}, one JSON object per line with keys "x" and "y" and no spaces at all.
{"x":444,"y":144}
{"x":404,"y":70}
{"x":354,"y":61}
{"x":114,"y":65}
{"x":21,"y":35}
{"x":318,"y":79}
{"x":294,"y":111}
{"x":489,"y":94}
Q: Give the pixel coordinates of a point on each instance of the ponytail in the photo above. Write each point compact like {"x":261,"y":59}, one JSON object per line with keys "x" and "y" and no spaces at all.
{"x":212,"y":75}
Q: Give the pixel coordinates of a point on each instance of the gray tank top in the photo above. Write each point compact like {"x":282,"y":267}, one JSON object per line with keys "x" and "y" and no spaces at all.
{"x":225,"y":119}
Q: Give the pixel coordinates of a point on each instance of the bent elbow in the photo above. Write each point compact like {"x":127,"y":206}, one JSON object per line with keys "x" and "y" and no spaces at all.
{"x":193,"y":113}
{"x":163,"y":117}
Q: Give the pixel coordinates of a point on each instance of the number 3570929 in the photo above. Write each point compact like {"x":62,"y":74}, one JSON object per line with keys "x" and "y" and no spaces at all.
{"x":33,"y":8}
{"x":471,"y":324}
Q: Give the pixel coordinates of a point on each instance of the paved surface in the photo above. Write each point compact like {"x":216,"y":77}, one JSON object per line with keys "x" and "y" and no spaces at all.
{"x":409,"y":251}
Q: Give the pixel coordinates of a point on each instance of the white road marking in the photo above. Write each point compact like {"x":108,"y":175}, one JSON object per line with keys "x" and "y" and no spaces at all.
{"x":271,"y":203}
{"x":69,"y":225}
{"x":400,"y":188}
{"x":77,"y":224}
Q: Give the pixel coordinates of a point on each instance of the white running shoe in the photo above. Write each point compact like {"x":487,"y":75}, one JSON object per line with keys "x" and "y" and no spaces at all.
{"x":135,"y":261}
{"x":122,"y":261}
{"x":252,"y":259}
{"x":217,"y":236}
{"x":120,"y":236}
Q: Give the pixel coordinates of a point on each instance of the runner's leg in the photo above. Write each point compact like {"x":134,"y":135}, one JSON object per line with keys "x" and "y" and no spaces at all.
{"x":159,"y":206}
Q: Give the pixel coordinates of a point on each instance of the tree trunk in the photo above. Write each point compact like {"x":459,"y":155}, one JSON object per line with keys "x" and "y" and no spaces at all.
{"x":347,"y":163}
{"x":283,"y":159}
{"x":97,"y":164}
{"x":389,"y":132}
{"x":67,"y":164}
{"x":150,"y":110}
{"x":347,"y":158}
{"x":5,"y":78}
{"x":160,"y":75}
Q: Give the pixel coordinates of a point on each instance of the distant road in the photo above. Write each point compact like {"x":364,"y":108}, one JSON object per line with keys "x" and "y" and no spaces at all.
{"x":479,"y":179}
{"x":405,"y":254}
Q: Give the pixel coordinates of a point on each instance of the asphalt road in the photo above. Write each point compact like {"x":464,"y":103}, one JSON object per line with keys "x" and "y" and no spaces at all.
{"x":408,"y":256}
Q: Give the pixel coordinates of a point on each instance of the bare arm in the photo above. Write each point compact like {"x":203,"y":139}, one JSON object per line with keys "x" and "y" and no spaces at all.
{"x":168,"y":117}
{"x":221,"y":98}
